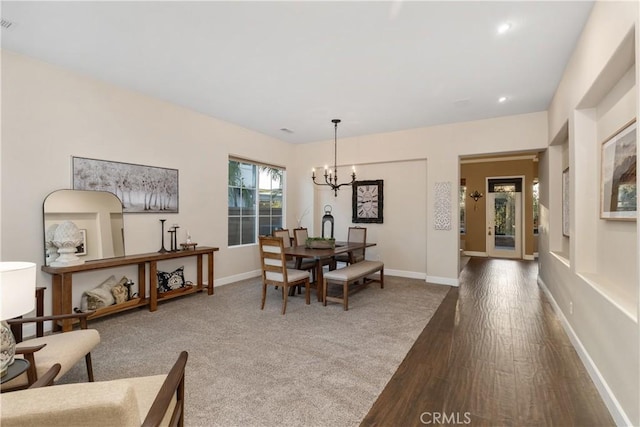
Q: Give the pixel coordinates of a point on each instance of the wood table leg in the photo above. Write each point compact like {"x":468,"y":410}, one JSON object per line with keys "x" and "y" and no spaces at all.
{"x":210,"y":273}
{"x":199,"y":272}
{"x":153,"y":286}
{"x":319,"y":279}
{"x":56,"y":296}
{"x":66,"y":305}
{"x":142,"y":285}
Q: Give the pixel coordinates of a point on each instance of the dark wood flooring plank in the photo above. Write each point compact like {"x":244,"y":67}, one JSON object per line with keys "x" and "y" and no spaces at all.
{"x":494,"y":353}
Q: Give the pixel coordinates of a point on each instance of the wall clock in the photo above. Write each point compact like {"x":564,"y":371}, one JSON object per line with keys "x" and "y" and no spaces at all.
{"x":367,"y":202}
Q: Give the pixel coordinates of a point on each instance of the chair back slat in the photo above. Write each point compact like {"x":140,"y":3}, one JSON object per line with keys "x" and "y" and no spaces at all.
{"x":286,"y":238}
{"x":300,"y":236}
{"x":358,"y":235}
{"x":274,"y":263}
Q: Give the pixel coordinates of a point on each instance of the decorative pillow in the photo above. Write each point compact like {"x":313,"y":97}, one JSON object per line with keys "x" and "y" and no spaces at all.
{"x":103,"y":292}
{"x":119,"y":291}
{"x":170,"y":281}
{"x":89,"y":303}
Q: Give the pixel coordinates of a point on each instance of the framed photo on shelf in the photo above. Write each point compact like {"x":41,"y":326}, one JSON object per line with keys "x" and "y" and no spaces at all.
{"x":618,"y":175}
{"x":81,"y":249}
{"x":367,"y":202}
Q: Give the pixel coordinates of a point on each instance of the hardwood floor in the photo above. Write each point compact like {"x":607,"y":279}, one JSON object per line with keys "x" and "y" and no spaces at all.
{"x":493,"y":354}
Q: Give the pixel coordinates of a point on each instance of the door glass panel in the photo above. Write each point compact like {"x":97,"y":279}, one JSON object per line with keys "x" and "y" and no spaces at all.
{"x":505,"y":218}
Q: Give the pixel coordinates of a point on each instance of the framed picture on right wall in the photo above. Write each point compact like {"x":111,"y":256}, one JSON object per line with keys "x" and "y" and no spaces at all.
{"x":618,"y":175}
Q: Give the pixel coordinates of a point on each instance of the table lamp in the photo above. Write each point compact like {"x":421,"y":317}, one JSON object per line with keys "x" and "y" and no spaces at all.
{"x":17,"y":297}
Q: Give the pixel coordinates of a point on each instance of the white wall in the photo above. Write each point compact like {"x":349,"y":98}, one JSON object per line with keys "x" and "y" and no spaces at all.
{"x":400,"y":240}
{"x":441,"y":146}
{"x":50,"y":114}
{"x":594,"y":286}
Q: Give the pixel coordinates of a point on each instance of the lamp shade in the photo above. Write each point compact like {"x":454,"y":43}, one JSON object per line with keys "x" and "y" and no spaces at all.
{"x":17,"y":289}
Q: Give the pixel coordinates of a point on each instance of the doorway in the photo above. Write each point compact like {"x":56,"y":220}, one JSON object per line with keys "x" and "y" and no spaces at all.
{"x":504,"y":217}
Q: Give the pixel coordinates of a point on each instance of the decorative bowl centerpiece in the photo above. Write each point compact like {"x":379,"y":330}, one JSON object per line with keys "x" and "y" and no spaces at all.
{"x":320,"y":243}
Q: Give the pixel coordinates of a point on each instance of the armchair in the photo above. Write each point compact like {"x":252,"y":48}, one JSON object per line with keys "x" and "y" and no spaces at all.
{"x":65,"y":348}
{"x":143,"y":401}
{"x":47,"y":379}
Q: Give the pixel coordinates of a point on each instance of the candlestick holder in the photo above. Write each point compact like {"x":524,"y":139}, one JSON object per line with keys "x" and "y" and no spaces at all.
{"x":171,"y":234}
{"x":162,"y":249}
{"x":173,"y":238}
{"x":174,"y":245}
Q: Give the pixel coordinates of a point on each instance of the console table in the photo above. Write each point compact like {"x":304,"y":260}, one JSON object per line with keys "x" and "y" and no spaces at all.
{"x":62,"y":281}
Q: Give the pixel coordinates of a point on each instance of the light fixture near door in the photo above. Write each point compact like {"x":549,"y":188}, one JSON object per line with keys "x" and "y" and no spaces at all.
{"x":475,"y":196}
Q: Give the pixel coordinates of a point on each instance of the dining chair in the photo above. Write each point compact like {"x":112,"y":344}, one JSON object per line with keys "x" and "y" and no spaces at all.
{"x":286,"y":240}
{"x":286,"y":237}
{"x":358,"y":235}
{"x":300,"y":236}
{"x":276,"y":273}
{"x":298,"y":263}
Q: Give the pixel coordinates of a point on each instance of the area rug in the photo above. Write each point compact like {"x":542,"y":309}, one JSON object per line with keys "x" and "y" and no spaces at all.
{"x":314,"y":366}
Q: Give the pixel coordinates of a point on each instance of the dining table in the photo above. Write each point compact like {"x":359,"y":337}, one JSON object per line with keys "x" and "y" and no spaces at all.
{"x":318,"y":255}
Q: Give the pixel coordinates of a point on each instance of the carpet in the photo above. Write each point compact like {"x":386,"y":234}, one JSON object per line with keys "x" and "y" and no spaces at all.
{"x":315,"y":366}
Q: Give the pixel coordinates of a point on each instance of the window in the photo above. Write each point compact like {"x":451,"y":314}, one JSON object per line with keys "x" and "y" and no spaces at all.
{"x":255,"y":201}
{"x":505,"y":221}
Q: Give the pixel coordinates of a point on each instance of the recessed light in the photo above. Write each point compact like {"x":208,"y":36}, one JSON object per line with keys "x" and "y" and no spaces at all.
{"x":503,"y":28}
{"x":502,"y":99}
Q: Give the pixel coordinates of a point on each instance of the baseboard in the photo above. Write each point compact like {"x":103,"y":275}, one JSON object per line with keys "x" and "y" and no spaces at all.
{"x":616,"y":411}
{"x":442,"y":280}
{"x":399,"y":273}
{"x":529,"y":257}
{"x":237,"y":277}
{"x":403,"y":273}
{"x":474,"y":253}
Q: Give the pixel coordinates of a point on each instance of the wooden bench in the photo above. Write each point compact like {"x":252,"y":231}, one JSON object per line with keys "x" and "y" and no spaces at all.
{"x":349,"y":275}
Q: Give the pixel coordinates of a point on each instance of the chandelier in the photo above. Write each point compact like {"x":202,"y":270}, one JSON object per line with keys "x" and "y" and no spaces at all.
{"x":331,"y":175}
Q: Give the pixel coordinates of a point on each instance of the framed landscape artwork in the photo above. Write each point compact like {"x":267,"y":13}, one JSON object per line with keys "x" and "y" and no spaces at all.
{"x":367,"y":202}
{"x":141,"y":189}
{"x":618,"y":175}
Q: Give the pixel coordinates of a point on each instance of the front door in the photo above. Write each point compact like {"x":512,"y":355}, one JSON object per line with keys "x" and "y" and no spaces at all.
{"x":504,"y":217}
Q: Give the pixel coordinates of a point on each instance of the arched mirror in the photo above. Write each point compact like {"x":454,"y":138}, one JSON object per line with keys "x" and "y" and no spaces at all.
{"x":98,"y":216}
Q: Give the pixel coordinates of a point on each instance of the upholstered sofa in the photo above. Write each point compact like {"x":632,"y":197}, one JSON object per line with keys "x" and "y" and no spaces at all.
{"x":148,"y":401}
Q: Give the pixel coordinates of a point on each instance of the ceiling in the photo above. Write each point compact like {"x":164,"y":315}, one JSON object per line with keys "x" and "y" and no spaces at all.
{"x":267,"y":66}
